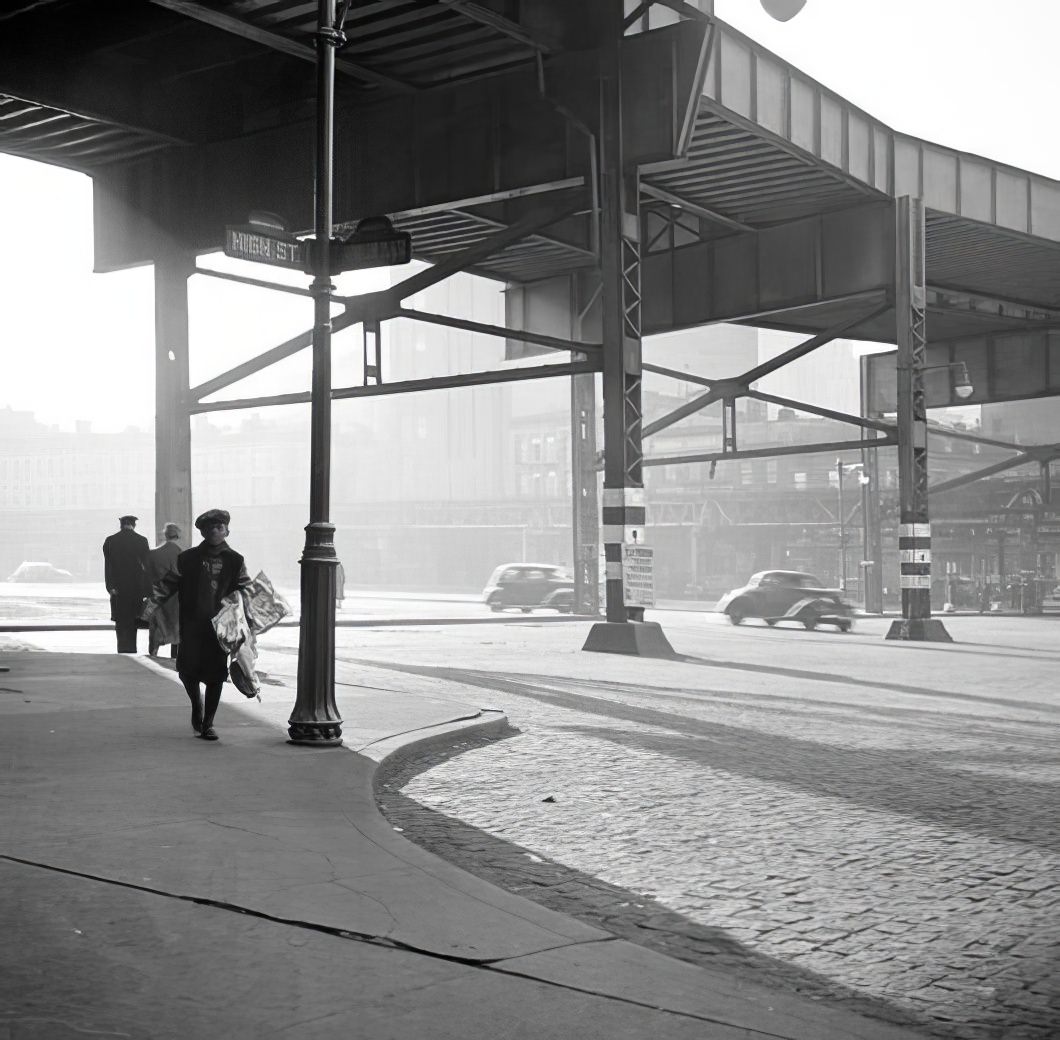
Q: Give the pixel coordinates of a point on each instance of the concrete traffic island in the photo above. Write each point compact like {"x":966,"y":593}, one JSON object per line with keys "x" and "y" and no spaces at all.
{"x":643,"y":638}
{"x":923,"y":630}
{"x":161,"y":886}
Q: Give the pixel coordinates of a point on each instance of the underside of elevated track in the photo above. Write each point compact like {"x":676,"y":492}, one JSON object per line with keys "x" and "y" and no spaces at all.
{"x":626,"y":168}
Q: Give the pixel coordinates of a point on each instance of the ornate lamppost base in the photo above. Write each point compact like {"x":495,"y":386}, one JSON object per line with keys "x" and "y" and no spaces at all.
{"x":315,"y":720}
{"x":310,"y":734}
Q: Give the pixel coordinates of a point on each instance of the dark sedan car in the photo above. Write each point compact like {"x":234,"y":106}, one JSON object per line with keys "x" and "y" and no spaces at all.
{"x":33,"y":572}
{"x":529,"y":585}
{"x":788,"y":596}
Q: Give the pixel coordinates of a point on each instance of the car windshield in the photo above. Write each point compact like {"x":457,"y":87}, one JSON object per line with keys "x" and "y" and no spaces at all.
{"x":790,"y":579}
{"x":525,"y":572}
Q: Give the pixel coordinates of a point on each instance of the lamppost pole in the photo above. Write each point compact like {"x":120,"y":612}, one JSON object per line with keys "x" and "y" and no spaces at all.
{"x":315,"y":719}
{"x":841,"y":467}
{"x":842,"y":530}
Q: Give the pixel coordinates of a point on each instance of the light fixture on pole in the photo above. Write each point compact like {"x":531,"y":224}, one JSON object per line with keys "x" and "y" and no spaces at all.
{"x":962,"y":383}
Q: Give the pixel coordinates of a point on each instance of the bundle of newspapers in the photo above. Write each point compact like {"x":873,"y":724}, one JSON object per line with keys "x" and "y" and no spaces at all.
{"x":244,"y":615}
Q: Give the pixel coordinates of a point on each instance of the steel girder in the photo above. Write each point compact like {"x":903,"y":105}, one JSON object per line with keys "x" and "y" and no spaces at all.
{"x":460,"y":149}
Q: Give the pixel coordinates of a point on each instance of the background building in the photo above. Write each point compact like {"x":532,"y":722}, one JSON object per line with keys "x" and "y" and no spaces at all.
{"x":434,"y":489}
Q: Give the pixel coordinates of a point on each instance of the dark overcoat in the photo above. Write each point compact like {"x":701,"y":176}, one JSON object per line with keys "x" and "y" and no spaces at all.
{"x":201,"y":578}
{"x":165,"y":624}
{"x":125,"y":555}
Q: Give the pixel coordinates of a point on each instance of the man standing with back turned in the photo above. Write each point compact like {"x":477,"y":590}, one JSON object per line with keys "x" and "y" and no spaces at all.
{"x":125,"y":556}
{"x":164,"y":626}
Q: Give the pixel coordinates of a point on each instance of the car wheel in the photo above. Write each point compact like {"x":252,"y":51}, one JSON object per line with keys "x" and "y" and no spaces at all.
{"x":809,"y":623}
{"x":526,"y":610}
{"x":844,"y":626}
{"x":736,"y":615}
{"x":771,"y":621}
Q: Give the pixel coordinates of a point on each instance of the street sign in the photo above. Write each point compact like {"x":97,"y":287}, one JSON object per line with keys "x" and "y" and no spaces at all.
{"x":638,"y":575}
{"x":384,"y":252}
{"x":374,"y":243}
{"x":251,"y":243}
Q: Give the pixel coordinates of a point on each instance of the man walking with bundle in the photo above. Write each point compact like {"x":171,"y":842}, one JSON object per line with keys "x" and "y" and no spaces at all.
{"x":200,"y":578}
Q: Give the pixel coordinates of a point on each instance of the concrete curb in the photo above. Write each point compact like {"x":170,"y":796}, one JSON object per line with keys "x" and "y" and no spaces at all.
{"x":402,"y":747}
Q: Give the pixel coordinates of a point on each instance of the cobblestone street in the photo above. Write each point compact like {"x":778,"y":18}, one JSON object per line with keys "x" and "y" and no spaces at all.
{"x":867,"y":823}
{"x":888,"y":825}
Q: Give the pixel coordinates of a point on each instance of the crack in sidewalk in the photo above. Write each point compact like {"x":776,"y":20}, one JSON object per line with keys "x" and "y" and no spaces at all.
{"x":494,"y":965}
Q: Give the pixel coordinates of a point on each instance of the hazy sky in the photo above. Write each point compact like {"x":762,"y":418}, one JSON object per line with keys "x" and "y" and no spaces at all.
{"x":976,"y":75}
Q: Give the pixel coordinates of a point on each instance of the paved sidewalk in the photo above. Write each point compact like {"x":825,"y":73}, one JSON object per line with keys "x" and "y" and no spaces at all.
{"x":156,"y":885}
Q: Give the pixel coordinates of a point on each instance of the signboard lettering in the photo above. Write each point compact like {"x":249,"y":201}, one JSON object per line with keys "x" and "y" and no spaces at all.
{"x":638,"y":575}
{"x":250,"y":244}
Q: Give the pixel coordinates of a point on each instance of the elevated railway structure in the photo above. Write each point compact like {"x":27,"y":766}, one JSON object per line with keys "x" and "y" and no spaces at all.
{"x":627,"y":168}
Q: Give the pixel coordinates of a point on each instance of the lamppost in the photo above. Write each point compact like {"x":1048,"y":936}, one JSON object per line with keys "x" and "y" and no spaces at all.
{"x":840,"y":468}
{"x":315,"y":719}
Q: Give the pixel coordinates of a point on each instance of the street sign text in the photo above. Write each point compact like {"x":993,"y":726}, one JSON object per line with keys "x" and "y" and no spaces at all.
{"x":248,"y":244}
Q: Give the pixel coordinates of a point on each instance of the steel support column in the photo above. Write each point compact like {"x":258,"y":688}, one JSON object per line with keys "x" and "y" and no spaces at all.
{"x":623,"y":512}
{"x":315,"y":719}
{"x":173,"y":268}
{"x":914,"y":529}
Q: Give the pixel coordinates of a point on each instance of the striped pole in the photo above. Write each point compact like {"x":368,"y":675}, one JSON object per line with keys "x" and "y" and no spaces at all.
{"x":914,"y":531}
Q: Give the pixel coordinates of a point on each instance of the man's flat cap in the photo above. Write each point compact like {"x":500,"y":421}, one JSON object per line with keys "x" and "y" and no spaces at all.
{"x":213,"y":516}
{"x":127,"y":519}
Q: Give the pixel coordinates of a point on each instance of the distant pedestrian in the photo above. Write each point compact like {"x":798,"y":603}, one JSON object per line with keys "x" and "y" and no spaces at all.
{"x":984,"y":598}
{"x":164,"y":626}
{"x":125,"y":556}
{"x":200,"y":578}
{"x":340,"y":585}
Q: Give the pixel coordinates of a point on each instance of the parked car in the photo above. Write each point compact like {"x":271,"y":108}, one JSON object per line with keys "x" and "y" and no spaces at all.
{"x":788,"y":596}
{"x":529,"y":585}
{"x":31,"y":571}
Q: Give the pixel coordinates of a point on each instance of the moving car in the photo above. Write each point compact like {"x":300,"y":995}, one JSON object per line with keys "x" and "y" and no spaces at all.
{"x":529,"y":585}
{"x":788,"y":596}
{"x":31,"y":571}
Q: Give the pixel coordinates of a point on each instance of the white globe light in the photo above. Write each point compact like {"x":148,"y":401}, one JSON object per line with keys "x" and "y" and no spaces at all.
{"x":783,"y":10}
